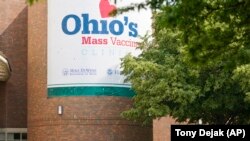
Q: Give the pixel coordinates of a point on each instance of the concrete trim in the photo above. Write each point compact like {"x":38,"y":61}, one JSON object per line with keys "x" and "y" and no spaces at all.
{"x":13,"y":130}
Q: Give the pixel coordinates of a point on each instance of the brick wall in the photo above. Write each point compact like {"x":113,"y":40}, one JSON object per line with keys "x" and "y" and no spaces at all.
{"x":162,"y":128}
{"x":13,"y":43}
{"x":2,"y":104}
{"x":89,"y":118}
{"x":84,"y":118}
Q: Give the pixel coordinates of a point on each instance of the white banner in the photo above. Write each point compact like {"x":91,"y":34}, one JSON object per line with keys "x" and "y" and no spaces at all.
{"x":85,"y":44}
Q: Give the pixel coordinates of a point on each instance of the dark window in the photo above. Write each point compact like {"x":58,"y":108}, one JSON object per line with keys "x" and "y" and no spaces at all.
{"x":17,"y":136}
{"x":24,"y":136}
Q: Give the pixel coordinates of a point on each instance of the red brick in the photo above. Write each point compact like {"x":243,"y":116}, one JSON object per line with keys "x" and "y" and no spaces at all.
{"x":84,"y":118}
{"x":13,"y":43}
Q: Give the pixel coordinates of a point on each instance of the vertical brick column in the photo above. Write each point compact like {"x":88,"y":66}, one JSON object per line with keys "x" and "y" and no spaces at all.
{"x":2,"y":105}
{"x":162,"y":128}
{"x":13,"y":44}
{"x":83,"y":118}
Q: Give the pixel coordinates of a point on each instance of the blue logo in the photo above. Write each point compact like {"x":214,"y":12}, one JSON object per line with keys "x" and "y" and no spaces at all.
{"x":113,"y":72}
{"x":83,"y":23}
{"x":79,"y":71}
{"x":109,"y":71}
{"x":65,"y":71}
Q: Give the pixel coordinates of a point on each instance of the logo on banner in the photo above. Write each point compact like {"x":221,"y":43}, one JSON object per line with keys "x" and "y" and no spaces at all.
{"x":106,"y":8}
{"x":79,"y":71}
{"x":113,"y":72}
{"x":86,"y":25}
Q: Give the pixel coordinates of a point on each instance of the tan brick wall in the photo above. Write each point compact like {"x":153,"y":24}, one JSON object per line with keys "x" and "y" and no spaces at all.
{"x":84,"y":118}
{"x":162,"y":128}
{"x":13,"y":43}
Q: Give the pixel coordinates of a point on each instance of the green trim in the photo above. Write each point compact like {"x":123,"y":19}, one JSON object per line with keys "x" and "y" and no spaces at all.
{"x":90,"y":84}
{"x":90,"y":91}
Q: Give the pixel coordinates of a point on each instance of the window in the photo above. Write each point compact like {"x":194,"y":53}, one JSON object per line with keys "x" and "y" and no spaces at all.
{"x":24,"y":137}
{"x":2,"y":136}
{"x":13,"y":136}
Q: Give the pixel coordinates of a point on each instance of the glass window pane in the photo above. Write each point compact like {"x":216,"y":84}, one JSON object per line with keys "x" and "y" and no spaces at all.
{"x":2,"y":136}
{"x":17,"y":136}
{"x":10,"y":136}
{"x":24,"y":136}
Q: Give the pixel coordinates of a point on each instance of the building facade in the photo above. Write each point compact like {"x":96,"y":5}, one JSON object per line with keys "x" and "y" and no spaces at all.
{"x":13,"y":70}
{"x":26,"y":111}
